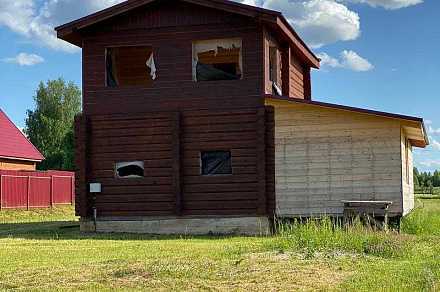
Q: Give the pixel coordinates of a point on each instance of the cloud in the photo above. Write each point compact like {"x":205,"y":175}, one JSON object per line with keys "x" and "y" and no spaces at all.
{"x":35,"y":20}
{"x":319,"y":22}
{"x":430,"y":163}
{"x":348,"y":60}
{"x":388,"y":4}
{"x":435,"y":144}
{"x":24,"y":59}
{"x":432,"y":130}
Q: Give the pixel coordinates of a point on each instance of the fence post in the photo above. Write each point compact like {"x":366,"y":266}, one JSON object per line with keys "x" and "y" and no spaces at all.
{"x":1,"y":191}
{"x":28,"y":191}
{"x":72,"y":190}
{"x":51,"y":191}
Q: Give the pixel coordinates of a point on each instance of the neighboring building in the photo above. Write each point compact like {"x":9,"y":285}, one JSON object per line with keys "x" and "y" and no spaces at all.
{"x":16,"y":152}
{"x":197,"y":117}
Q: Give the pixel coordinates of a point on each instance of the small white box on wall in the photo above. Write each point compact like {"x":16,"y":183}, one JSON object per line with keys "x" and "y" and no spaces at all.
{"x":95,"y":187}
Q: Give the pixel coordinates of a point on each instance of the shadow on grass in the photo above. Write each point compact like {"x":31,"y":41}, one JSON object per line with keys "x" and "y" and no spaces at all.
{"x":69,"y":230}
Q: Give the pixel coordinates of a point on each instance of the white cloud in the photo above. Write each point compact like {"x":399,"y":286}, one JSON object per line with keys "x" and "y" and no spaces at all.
{"x":432,"y":130}
{"x":36,"y":20}
{"x":319,"y":22}
{"x":24,"y":59}
{"x":388,"y":4}
{"x":348,"y":60}
{"x":435,"y":144}
{"x":430,"y":163}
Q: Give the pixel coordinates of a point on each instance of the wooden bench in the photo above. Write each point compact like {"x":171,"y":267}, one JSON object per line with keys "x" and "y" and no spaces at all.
{"x":368,"y":210}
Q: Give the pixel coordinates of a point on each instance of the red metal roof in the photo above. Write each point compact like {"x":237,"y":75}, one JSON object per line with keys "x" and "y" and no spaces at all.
{"x":13,"y":143}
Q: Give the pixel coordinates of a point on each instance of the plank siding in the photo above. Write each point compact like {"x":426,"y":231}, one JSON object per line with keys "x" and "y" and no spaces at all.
{"x":323,"y":156}
{"x":11,"y":164}
{"x":297,"y":78}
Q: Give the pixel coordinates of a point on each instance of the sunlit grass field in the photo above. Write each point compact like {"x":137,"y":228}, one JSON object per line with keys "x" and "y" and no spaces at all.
{"x":44,"y":250}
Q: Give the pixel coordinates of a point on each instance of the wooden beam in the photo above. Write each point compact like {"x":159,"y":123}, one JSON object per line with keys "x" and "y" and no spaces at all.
{"x":285,"y":67}
{"x":177,"y":158}
{"x":261,"y":160}
{"x":81,"y":135}
{"x":307,"y":83}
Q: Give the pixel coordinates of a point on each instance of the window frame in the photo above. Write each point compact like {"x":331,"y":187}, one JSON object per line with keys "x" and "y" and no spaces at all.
{"x":214,"y":175}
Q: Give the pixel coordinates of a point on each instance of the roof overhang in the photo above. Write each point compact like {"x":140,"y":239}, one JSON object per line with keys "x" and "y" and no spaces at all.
{"x":71,"y":32}
{"x":20,"y":159}
{"x":414,"y":127}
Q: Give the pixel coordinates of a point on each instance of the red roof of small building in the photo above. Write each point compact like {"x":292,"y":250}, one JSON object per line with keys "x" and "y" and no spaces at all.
{"x":14,"y":144}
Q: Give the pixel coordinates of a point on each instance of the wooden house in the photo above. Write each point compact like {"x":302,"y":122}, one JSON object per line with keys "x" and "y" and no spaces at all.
{"x":198,"y":117}
{"x":16,"y":151}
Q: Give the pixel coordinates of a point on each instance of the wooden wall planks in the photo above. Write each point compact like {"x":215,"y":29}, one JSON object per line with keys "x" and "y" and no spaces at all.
{"x":324,"y":156}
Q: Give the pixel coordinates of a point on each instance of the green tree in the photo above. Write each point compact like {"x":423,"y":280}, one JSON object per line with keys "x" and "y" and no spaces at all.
{"x":416,"y":178}
{"x":50,"y":125}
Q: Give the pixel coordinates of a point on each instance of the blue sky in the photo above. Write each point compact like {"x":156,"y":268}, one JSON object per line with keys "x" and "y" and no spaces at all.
{"x":377,"y":54}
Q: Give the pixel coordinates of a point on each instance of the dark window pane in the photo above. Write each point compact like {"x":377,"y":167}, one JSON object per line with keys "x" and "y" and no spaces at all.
{"x":130,"y":169}
{"x":216,"y":162}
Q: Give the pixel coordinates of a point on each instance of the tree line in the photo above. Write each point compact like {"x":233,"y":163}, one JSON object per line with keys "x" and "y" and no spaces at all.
{"x":425,"y":182}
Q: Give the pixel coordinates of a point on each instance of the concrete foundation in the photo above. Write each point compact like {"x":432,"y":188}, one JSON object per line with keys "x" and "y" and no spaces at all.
{"x":181,"y":226}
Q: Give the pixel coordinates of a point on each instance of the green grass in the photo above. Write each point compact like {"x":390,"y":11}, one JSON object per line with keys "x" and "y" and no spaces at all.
{"x":44,"y":250}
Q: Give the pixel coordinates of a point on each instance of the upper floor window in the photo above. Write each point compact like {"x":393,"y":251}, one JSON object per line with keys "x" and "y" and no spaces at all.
{"x":130,"y":66}
{"x":275,"y":70}
{"x":219,"y":59}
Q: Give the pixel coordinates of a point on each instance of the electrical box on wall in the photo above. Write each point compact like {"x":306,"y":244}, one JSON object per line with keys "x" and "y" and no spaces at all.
{"x":95,"y":187}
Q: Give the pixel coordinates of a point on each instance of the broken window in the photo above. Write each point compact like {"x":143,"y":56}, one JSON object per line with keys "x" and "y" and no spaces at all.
{"x":130,"y":66}
{"x":132,"y":169}
{"x":216,"y":162}
{"x":219,"y":59}
{"x":275,"y":70}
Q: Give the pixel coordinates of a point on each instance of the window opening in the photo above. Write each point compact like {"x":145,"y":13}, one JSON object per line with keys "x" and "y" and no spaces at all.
{"x":216,"y":162}
{"x":130,"y":66}
{"x":274,"y":69}
{"x":132,"y":169}
{"x":219,"y":59}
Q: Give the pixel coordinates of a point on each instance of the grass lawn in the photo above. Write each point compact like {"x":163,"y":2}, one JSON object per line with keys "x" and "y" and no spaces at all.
{"x":44,"y":250}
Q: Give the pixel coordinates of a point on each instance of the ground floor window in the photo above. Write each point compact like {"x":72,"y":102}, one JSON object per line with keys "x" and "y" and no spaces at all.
{"x":216,"y":162}
{"x":132,"y":169}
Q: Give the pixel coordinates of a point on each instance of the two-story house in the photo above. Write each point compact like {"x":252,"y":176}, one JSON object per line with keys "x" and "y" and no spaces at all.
{"x":198,"y":117}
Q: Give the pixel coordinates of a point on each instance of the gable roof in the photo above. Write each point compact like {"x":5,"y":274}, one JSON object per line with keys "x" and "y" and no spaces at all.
{"x":13,"y":143}
{"x":414,"y":126}
{"x":70,"y":31}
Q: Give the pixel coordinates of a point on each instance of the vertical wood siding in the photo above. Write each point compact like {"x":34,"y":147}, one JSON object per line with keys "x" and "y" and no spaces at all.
{"x":323,"y":156}
{"x":407,"y":177}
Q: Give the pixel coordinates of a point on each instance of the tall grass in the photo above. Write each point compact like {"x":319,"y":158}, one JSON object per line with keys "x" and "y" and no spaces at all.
{"x":424,"y":220}
{"x":327,"y":235}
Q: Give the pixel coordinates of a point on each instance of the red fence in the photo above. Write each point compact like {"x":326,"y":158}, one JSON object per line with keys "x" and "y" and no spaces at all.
{"x":36,"y":189}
